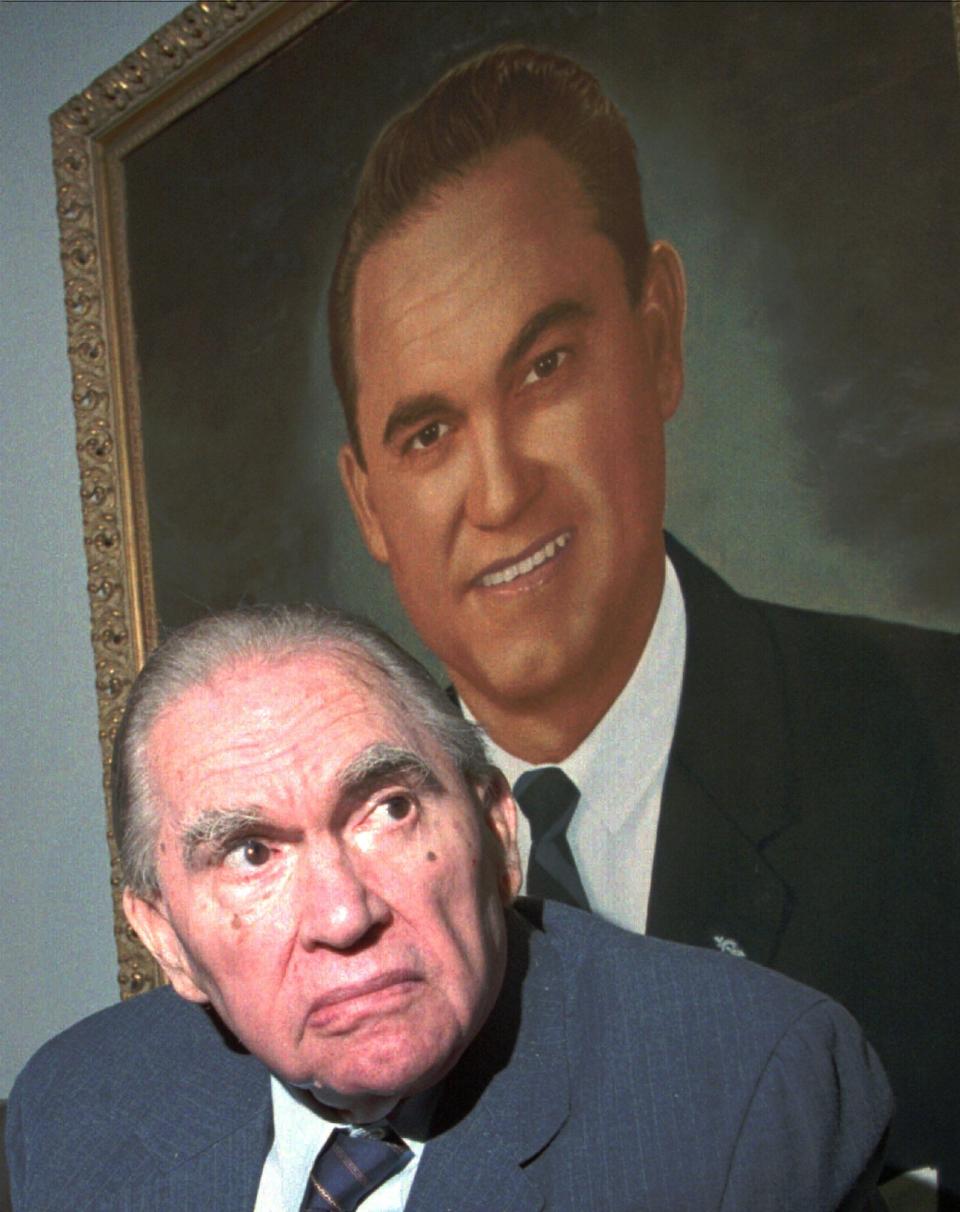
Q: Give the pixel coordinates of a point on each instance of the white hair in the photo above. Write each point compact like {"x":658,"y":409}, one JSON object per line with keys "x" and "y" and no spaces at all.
{"x":192,"y":655}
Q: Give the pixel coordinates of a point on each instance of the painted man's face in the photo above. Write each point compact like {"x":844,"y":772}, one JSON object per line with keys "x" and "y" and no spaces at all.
{"x":327,"y":880}
{"x":511,"y":401}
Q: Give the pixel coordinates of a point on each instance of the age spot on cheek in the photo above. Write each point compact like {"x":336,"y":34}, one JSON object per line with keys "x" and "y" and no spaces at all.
{"x":431,"y":857}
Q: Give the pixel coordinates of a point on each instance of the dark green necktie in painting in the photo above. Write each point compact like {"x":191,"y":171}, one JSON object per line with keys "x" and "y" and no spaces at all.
{"x":548,"y":799}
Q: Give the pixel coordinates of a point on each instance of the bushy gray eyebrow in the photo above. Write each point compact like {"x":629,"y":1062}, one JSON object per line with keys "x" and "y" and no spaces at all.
{"x":384,"y":763}
{"x":216,"y":829}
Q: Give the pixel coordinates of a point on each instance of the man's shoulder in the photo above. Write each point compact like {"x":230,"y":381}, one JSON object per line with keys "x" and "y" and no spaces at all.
{"x":869,"y":664}
{"x":630,"y":976}
{"x":709,"y":1045}
{"x":139,"y":1097}
{"x":901,"y":649}
{"x":143,"y":1027}
{"x":702,"y":584}
{"x":135,"y":1054}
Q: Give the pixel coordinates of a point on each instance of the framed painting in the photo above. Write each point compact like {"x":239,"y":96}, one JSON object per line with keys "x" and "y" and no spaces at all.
{"x":804,"y":158}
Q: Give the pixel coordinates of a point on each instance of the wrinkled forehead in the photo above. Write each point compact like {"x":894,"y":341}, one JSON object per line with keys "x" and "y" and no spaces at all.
{"x":306,"y":714}
{"x":255,"y":690}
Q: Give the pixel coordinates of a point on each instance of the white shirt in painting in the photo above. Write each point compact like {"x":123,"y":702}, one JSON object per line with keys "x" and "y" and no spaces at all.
{"x":619,"y":770}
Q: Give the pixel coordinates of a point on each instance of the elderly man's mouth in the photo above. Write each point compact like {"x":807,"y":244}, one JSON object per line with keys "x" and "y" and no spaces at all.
{"x":506,"y":572}
{"x":341,"y":1007}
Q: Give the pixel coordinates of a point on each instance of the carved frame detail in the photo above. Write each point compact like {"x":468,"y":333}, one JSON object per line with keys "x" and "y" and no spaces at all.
{"x":199,"y":52}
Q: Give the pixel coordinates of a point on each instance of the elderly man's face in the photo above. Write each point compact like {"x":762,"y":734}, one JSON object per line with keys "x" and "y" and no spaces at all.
{"x":511,"y":400}
{"x":328,"y":882}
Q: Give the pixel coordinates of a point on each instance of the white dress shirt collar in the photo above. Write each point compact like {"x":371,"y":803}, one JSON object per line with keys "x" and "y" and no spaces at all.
{"x":620,"y":770}
{"x":300,"y":1131}
{"x":627,"y":751}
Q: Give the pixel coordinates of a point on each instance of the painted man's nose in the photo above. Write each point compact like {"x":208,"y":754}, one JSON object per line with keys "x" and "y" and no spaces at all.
{"x":502,"y":482}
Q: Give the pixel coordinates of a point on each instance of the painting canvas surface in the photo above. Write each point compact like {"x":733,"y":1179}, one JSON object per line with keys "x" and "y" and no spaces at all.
{"x":803,"y":158}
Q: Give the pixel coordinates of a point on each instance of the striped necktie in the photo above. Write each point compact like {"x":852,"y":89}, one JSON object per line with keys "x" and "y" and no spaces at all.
{"x":351,"y":1165}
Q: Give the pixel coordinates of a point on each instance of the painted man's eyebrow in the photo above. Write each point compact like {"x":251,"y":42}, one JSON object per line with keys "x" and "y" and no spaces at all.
{"x":384,"y":763}
{"x":409,"y":412}
{"x":432,"y":405}
{"x":216,"y":828}
{"x":554,"y":313}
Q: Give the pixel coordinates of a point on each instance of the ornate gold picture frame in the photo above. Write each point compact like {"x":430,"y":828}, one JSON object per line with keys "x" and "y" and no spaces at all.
{"x":187,"y":60}
{"x":804,"y":157}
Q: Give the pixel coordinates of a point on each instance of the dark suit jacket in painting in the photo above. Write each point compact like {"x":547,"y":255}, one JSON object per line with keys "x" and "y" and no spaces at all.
{"x":617,"y":1073}
{"x":811,"y":818}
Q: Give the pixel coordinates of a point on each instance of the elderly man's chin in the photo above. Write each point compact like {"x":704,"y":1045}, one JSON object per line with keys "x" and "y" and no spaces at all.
{"x":372,"y":1079}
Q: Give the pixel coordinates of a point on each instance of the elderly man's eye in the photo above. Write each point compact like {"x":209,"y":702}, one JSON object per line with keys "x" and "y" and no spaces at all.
{"x":393,"y":809}
{"x":424,"y":438}
{"x":388,"y":819}
{"x":546,"y":365}
{"x":398,"y":807}
{"x":250,"y":853}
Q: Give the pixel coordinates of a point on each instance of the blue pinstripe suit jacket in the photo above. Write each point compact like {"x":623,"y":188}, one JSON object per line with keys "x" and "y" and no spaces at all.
{"x":616,"y":1073}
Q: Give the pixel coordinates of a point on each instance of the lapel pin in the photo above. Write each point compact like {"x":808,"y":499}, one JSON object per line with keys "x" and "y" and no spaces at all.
{"x":729,"y":946}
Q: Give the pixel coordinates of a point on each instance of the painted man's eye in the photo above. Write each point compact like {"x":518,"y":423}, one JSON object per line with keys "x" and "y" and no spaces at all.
{"x":429,"y":435}
{"x":546,"y":365}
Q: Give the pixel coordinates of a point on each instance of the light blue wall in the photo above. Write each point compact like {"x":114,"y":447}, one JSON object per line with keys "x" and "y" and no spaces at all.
{"x":56,"y":943}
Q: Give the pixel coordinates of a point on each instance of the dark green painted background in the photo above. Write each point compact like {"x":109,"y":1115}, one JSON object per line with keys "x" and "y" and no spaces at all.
{"x":804,"y":158}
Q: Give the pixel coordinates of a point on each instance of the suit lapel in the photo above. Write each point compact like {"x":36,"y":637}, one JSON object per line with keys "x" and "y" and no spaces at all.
{"x":712,"y":885}
{"x":473,"y":1168}
{"x":507,"y":1098}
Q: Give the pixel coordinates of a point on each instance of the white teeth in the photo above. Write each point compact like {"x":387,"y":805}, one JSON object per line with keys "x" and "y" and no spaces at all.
{"x":522,"y":567}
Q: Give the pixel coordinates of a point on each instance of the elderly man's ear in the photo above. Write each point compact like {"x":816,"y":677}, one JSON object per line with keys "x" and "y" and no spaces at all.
{"x":500,"y":816}
{"x":661,"y":315}
{"x":149,"y":920}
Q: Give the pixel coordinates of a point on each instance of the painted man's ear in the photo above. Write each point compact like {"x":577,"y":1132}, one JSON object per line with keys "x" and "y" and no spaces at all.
{"x":500,"y":815}
{"x":357,"y":486}
{"x":153,"y":927}
{"x":662,"y":315}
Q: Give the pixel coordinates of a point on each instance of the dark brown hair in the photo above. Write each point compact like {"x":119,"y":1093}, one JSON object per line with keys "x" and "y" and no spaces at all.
{"x":478,"y":107}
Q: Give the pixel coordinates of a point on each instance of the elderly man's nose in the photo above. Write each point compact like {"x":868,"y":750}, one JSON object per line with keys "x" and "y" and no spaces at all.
{"x":337,"y":906}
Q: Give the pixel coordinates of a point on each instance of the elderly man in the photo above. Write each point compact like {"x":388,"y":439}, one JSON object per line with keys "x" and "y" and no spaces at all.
{"x":322,"y":860}
{"x":507,"y":345}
